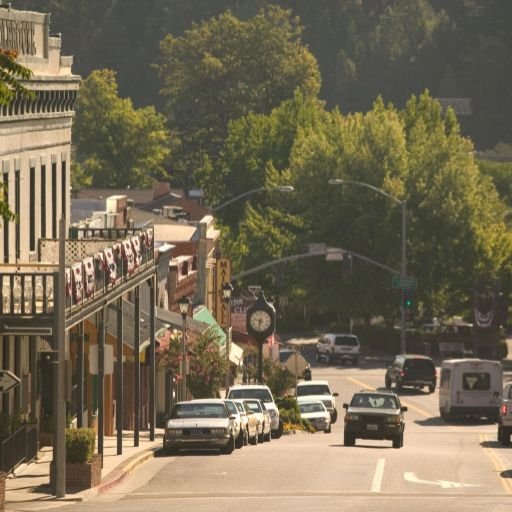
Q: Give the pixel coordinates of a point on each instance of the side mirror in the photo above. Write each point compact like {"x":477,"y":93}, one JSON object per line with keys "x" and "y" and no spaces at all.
{"x":335,"y":394}
{"x":249,"y":413}
{"x":345,"y":406}
{"x":403,"y":409}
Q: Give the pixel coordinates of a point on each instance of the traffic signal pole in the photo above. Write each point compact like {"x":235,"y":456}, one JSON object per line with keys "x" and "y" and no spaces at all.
{"x":403,"y":275}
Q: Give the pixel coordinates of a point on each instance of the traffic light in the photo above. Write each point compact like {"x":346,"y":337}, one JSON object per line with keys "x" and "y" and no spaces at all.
{"x":409,"y":298}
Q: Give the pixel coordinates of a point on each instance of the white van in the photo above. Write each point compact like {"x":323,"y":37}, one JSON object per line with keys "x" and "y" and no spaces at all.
{"x":470,"y":387}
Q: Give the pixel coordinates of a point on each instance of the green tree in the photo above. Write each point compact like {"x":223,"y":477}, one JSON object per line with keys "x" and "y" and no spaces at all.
{"x":225,"y":68}
{"x":208,"y":366}
{"x":12,"y":73}
{"x":116,"y":144}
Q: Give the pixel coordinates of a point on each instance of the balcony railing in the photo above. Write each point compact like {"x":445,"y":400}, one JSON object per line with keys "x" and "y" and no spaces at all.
{"x":100,"y":265}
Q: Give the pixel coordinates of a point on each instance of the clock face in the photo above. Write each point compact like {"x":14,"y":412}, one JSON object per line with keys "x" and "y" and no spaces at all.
{"x":260,"y":320}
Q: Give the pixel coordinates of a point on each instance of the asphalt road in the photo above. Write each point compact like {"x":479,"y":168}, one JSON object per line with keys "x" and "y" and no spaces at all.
{"x":453,"y":467}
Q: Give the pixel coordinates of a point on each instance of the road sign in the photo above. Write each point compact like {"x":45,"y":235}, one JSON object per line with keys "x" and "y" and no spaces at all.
{"x":108,"y":358}
{"x":333,"y":254}
{"x":404,"y":283}
{"x":8,"y":380}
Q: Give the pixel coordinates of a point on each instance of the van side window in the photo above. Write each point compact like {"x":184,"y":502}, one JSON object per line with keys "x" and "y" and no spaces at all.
{"x":476,"y":381}
{"x":445,"y":378}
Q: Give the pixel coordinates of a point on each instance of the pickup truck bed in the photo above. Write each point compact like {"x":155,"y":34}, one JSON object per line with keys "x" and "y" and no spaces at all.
{"x":505,"y":417}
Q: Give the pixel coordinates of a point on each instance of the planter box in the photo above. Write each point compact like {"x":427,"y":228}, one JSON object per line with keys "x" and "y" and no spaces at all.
{"x":2,"y":491}
{"x":81,"y":476}
{"x":45,"y":439}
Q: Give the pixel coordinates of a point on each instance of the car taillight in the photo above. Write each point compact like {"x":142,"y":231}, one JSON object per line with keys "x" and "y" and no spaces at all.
{"x":504,"y":409}
{"x":402,"y":373}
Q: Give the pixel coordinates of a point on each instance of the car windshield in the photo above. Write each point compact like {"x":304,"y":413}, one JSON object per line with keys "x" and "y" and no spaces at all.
{"x":261,"y":394}
{"x":346,"y":340}
{"x":195,"y":410}
{"x":284,"y":355}
{"x":313,"y":407}
{"x":374,"y":401}
{"x":313,"y":389}
{"x":231,"y":407}
{"x":239,"y":406}
{"x":254,"y":406}
{"x":419,"y":365}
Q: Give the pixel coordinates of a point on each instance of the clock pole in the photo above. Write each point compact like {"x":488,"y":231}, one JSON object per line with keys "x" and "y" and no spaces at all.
{"x":261,"y":323}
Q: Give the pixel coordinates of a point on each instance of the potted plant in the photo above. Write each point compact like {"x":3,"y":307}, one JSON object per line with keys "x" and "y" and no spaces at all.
{"x":83,"y":466}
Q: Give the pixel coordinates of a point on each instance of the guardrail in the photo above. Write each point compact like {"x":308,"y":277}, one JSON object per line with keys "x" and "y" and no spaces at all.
{"x":21,"y":446}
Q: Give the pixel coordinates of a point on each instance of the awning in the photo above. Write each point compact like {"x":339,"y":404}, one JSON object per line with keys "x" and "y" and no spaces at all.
{"x":235,"y":352}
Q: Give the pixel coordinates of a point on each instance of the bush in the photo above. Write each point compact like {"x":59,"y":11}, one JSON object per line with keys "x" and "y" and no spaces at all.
{"x":277,"y":378}
{"x":80,"y":443}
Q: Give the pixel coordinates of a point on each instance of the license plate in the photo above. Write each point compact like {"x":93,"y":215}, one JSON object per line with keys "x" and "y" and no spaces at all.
{"x":372,"y":427}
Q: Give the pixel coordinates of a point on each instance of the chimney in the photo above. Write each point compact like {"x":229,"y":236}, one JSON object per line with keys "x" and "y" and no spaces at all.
{"x":160,"y":189}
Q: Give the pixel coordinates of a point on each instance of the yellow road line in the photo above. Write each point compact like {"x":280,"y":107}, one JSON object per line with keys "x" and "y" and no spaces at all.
{"x":507,"y":486}
{"x":409,"y":405}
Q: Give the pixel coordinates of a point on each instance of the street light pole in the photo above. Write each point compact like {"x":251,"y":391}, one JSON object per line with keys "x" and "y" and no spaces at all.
{"x":403,"y":266}
{"x":184,"y":304}
{"x":227,"y":290}
{"x":280,"y":188}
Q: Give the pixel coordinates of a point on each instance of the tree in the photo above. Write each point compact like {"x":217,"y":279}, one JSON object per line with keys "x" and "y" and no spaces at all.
{"x":225,"y":68}
{"x":11,"y":75}
{"x":116,"y":144}
{"x":208,"y":366}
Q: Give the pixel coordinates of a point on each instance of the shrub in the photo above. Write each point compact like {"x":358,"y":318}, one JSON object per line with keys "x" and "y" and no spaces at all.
{"x":277,"y":378}
{"x":80,"y":443}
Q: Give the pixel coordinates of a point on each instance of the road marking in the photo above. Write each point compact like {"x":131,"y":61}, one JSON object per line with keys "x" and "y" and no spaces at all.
{"x":377,"y":477}
{"x":444,"y":484}
{"x":409,"y":405}
{"x":507,"y":486}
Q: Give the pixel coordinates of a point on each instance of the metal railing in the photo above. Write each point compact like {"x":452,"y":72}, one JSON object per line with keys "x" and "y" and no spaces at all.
{"x":21,"y":446}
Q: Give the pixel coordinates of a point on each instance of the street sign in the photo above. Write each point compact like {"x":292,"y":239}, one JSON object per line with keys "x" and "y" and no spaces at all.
{"x":8,"y":380}
{"x":108,"y":358}
{"x":333,"y":254}
{"x":404,"y":283}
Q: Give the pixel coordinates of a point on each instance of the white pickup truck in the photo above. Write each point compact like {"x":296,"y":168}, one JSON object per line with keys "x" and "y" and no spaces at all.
{"x":505,"y":417}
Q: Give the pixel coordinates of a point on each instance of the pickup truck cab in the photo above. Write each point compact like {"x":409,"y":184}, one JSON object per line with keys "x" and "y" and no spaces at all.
{"x":505,"y":417}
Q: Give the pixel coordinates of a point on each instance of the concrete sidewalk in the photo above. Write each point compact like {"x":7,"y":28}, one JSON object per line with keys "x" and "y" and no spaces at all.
{"x":29,"y":487}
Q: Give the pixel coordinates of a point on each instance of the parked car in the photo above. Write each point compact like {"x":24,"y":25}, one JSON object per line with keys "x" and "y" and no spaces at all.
{"x":317,"y":414}
{"x":505,"y":417}
{"x":200,"y":424}
{"x":313,"y":390}
{"x":412,"y":370}
{"x":470,"y":388}
{"x":263,"y":393}
{"x":338,"y":347}
{"x":263,"y":415}
{"x":374,"y":415}
{"x":249,"y":422}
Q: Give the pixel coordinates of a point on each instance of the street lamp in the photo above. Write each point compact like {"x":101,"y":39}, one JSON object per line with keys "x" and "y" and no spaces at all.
{"x":227,"y":290}
{"x":403,"y":268}
{"x":184,"y":305}
{"x":280,"y":188}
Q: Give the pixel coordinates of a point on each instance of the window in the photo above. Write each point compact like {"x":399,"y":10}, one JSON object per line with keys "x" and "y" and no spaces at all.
{"x":32,"y":208}
{"x":63,"y":185}
{"x":5,"y":223}
{"x":43,"y":201}
{"x":314,"y":389}
{"x":54,"y":200}
{"x":17,"y":211}
{"x":476,"y":381}
{"x":262,"y":394}
{"x":348,"y":341}
{"x":445,"y":378}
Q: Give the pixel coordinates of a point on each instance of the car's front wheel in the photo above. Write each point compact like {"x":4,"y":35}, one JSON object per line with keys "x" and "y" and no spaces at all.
{"x":240,"y":440}
{"x":334,"y":416}
{"x":398,"y":441}
{"x":431,"y":388}
{"x":328,"y":429}
{"x":349,"y":439}
{"x":387,"y":383}
{"x":276,"y":434}
{"x":230,"y":447}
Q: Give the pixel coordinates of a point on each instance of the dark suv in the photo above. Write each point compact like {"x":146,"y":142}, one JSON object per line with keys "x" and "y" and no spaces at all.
{"x":374,"y":415}
{"x":412,"y":370}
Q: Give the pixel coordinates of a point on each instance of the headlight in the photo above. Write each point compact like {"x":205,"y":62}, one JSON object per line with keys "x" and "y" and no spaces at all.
{"x":351,"y":417}
{"x":219,"y":431}
{"x":393,"y":419}
{"x":273,"y":413}
{"x":175,"y":431}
